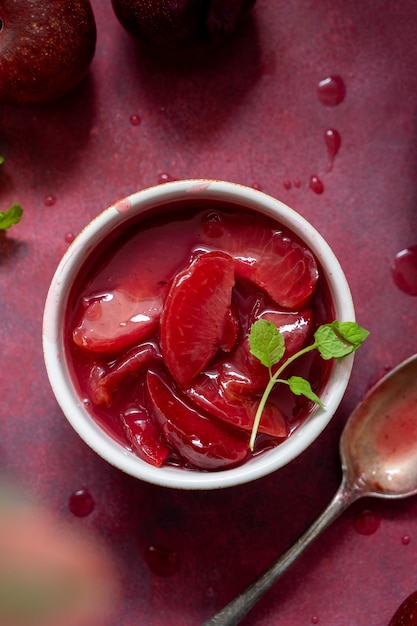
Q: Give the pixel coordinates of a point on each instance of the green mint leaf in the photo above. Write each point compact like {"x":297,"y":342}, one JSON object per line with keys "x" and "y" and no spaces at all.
{"x":266,"y":342}
{"x":301,"y":387}
{"x":11,"y":216}
{"x":338,"y":339}
{"x":1,"y":160}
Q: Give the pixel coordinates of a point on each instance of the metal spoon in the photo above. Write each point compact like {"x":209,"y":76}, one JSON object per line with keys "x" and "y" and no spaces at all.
{"x":378,"y":451}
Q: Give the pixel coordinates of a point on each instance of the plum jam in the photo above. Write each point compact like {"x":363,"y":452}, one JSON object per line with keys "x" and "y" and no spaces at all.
{"x":157,"y":329}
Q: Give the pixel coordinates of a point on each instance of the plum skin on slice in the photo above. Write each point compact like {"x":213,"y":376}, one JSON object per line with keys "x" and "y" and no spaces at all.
{"x":201,"y":441}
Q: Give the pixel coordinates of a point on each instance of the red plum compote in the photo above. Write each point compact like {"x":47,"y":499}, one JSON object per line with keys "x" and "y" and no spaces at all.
{"x":157,"y":329}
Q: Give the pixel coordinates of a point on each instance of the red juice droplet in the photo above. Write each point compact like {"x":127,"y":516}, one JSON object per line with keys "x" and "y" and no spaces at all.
{"x":405,"y":540}
{"x":135,"y":120}
{"x":331,"y":91}
{"x":162,"y":561}
{"x":69,"y":237}
{"x":49,"y":200}
{"x":287,"y":184}
{"x":297,"y":183}
{"x":315,"y":184}
{"x":164,"y":177}
{"x":366,"y":522}
{"x":81,"y":502}
{"x":257,"y":186}
{"x":333,"y":142}
{"x":314,"y":619}
{"x":404,"y":270}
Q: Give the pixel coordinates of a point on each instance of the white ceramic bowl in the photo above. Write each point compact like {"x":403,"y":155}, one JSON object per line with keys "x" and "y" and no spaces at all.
{"x":55,"y":357}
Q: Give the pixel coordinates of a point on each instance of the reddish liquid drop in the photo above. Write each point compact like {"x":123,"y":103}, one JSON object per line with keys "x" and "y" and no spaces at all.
{"x":69,"y":237}
{"x":333,"y":142}
{"x":331,"y":91}
{"x":257,"y":186}
{"x":404,"y":270}
{"x":315,"y":184}
{"x":135,"y":120}
{"x":297,"y":183}
{"x":49,"y":200}
{"x":405,"y":540}
{"x":162,"y":561}
{"x":287,"y":184}
{"x":81,"y":502}
{"x":314,"y":619}
{"x":366,"y":522}
{"x":164,"y":177}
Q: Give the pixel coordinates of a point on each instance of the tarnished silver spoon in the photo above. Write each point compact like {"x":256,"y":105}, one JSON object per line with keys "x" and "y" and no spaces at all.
{"x":378,"y":451}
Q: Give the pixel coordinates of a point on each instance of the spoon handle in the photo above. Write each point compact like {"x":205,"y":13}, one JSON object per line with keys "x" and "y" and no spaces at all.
{"x":233,"y":612}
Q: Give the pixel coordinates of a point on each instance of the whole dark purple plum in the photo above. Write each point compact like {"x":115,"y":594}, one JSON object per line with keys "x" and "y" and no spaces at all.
{"x":46,"y":47}
{"x":180,"y":25}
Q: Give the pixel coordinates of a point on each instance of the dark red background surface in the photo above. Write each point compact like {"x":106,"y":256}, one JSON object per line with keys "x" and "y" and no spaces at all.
{"x":249,"y":115}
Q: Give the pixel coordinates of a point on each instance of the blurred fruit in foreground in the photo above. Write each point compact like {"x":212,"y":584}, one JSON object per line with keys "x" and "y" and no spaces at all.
{"x":46,"y":47}
{"x":180,"y":25}
{"x":51,"y":572}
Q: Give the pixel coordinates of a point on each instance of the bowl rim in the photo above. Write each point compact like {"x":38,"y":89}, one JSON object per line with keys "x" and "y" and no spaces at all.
{"x":55,"y":360}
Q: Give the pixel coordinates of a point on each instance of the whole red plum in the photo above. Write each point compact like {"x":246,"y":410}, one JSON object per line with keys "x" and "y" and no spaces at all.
{"x":46,"y":47}
{"x":180,"y":25}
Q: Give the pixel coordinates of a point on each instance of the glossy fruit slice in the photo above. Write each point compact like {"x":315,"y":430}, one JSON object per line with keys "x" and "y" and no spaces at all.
{"x":104,"y":381}
{"x":196,"y":315}
{"x":201,"y":441}
{"x":144,"y":436}
{"x":284,"y":269}
{"x":116,"y":320}
{"x":272,"y":259}
{"x":211,"y":394}
{"x":242,"y":372}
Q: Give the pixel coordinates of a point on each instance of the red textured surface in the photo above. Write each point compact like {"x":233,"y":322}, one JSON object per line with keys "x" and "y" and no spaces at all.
{"x":251,"y":115}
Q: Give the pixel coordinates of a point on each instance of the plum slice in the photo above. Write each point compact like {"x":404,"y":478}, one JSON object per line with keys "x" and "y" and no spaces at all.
{"x":104,"y":380}
{"x":203,"y":442}
{"x":274,"y":260}
{"x":212,"y":394}
{"x":116,"y":320}
{"x":242,"y":372}
{"x":196,"y":317}
{"x":144,"y":436}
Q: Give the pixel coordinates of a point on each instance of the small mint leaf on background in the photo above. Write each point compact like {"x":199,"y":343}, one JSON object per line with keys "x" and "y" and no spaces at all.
{"x":11,"y":216}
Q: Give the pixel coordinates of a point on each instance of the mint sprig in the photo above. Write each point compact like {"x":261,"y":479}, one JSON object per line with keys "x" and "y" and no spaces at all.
{"x":11,"y":216}
{"x":333,"y":341}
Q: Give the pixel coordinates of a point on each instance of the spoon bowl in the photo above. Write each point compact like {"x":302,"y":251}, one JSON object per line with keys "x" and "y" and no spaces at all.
{"x":378,"y":450}
{"x":378,"y":446}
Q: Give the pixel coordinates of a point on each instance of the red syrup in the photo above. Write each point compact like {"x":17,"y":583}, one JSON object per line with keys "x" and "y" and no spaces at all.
{"x":366,"y":522}
{"x":138,"y":255}
{"x":164,"y":177}
{"x":331,"y":91}
{"x":81,"y":503}
{"x":162,"y":561}
{"x":316,"y":184}
{"x":405,"y":540}
{"x":333,"y":142}
{"x":404,"y":270}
